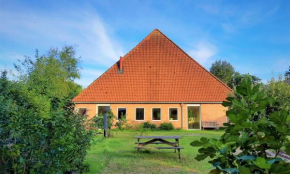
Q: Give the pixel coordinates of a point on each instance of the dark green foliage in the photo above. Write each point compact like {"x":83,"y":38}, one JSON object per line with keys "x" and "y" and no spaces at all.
{"x":222,"y":70}
{"x":252,"y":132}
{"x":148,"y":125}
{"x":287,"y":76}
{"x":227,"y":74}
{"x":237,"y":79}
{"x":280,"y":91}
{"x":39,"y":131}
{"x":166,"y":126}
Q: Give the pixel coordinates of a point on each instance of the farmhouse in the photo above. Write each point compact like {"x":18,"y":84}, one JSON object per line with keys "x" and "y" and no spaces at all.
{"x":157,"y":82}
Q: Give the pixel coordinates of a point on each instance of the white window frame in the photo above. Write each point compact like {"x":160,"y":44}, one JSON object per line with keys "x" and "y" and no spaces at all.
{"x":118,"y":112}
{"x":82,"y":108}
{"x":169,"y":114}
{"x":97,"y":107}
{"x":136,"y":114}
{"x":152,"y":113}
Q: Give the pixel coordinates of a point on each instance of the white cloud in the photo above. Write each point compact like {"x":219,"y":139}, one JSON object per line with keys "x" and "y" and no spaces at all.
{"x":202,"y":52}
{"x":95,"y":41}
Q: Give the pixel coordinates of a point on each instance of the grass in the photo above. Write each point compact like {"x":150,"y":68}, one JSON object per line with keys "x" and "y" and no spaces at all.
{"x":117,"y":154}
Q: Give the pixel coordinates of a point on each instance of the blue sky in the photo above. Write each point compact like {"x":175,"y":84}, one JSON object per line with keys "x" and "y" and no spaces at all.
{"x":254,"y":36}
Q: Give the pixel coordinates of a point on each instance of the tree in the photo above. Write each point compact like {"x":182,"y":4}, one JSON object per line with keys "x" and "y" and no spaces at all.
{"x":227,"y":74}
{"x":237,"y":79}
{"x":287,"y":76}
{"x":52,"y":74}
{"x":222,"y":70}
{"x":280,"y":91}
{"x":251,"y":133}
{"x":39,"y":130}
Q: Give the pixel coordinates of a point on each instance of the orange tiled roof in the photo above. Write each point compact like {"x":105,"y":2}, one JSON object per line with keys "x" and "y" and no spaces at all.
{"x":156,"y":70}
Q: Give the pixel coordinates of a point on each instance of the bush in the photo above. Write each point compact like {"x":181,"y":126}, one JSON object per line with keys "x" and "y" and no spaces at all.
{"x":251,"y":133}
{"x":121,"y":123}
{"x":98,"y":121}
{"x":166,"y":126}
{"x":33,"y":142}
{"x":39,"y":131}
{"x":148,"y":125}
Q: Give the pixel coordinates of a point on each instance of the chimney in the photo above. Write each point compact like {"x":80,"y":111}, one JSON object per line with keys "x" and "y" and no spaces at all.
{"x":121,"y":63}
{"x":121,"y":68}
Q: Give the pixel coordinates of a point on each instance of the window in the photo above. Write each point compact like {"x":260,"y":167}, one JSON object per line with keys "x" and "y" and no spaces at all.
{"x":173,"y":114}
{"x":140,"y":114}
{"x":103,"y":109}
{"x":121,"y":113}
{"x":156,"y":113}
{"x":82,"y":111}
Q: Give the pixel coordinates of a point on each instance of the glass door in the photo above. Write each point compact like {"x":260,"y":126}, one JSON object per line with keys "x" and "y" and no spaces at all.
{"x":193,"y":117}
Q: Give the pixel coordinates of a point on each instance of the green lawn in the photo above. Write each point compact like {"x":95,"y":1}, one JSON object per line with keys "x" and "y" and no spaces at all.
{"x":117,"y":154}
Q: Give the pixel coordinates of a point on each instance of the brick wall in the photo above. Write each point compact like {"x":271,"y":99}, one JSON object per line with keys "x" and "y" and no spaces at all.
{"x":209,"y":112}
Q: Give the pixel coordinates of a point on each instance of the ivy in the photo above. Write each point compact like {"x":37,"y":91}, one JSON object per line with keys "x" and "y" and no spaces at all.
{"x":252,"y":131}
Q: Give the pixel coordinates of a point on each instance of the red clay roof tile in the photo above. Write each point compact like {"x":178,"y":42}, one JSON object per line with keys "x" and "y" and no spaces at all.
{"x":156,"y":70}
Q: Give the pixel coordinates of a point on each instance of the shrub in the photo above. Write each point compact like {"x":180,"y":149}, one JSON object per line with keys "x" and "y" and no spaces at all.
{"x":166,"y":126}
{"x":121,"y":123}
{"x":148,"y":125}
{"x":34,"y":142}
{"x":99,"y":121}
{"x":251,"y":134}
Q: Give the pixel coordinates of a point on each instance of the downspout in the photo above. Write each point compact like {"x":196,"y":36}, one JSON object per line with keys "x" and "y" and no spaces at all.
{"x":181,"y":104}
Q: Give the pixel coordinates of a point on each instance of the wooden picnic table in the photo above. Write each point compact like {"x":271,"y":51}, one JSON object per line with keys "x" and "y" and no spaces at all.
{"x":159,"y":140}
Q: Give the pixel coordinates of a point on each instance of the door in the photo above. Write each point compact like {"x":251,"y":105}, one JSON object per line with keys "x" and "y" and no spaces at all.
{"x":193,"y":117}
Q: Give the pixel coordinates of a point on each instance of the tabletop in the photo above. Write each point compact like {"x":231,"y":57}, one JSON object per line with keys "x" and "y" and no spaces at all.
{"x":156,"y":137}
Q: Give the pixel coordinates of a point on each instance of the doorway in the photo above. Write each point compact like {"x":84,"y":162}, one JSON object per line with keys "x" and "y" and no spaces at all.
{"x":193,"y":117}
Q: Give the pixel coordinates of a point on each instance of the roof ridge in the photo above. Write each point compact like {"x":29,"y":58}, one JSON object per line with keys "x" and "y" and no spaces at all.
{"x":194,"y":60}
{"x":155,"y":31}
{"x":134,"y":48}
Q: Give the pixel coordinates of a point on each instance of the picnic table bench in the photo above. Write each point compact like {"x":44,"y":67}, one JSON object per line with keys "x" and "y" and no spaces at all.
{"x":209,"y":124}
{"x":159,"y":140}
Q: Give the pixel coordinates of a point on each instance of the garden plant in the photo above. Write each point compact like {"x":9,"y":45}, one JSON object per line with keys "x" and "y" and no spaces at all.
{"x":254,"y":131}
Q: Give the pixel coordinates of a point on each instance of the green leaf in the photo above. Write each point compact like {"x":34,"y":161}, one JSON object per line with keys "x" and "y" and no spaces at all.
{"x":230,"y":98}
{"x":205,"y":152}
{"x":226,"y":103}
{"x":280,"y":168}
{"x":215,"y":171}
{"x":261,"y":135}
{"x":288,"y":149}
{"x":196,"y":143}
{"x":243,"y":137}
{"x":21,"y":160}
{"x":262,"y":163}
{"x":244,"y":170}
{"x":202,"y":142}
{"x":279,"y":117}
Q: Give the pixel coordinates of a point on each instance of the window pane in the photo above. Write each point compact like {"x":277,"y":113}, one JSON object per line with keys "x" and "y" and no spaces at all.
{"x":156,"y":114}
{"x":193,"y":117}
{"x":82,"y":111}
{"x":139,"y":113}
{"x":103,"y":109}
{"x":173,"y":114}
{"x":121,"y":113}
